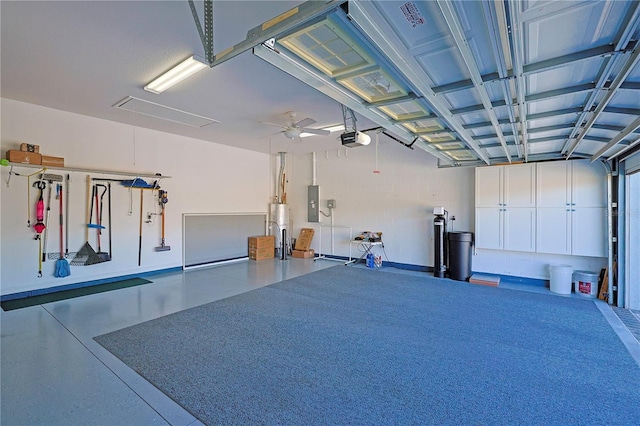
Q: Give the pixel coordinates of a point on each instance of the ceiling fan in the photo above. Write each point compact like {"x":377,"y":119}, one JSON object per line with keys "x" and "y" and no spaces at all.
{"x":294,"y":129}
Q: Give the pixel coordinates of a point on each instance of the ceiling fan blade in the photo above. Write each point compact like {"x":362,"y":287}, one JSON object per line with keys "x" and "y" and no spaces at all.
{"x":273,"y":124}
{"x":305,"y":122}
{"x":270,"y":135}
{"x":320,"y":132}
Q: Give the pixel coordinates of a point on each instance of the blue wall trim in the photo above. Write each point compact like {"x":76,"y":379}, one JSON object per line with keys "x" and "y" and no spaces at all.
{"x":519,"y":280}
{"x":421,"y":268}
{"x":405,"y":266}
{"x":396,"y":265}
{"x":42,"y":291}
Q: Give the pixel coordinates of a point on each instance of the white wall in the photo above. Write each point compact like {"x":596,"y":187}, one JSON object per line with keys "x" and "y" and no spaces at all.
{"x":398,"y":201}
{"x":211,"y":178}
{"x":206,"y":178}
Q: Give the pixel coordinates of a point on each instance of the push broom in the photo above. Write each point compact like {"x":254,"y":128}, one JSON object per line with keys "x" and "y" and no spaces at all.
{"x":162,"y":200}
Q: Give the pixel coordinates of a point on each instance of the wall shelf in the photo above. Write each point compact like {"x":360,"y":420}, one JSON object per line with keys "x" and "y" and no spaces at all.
{"x":86,"y":170}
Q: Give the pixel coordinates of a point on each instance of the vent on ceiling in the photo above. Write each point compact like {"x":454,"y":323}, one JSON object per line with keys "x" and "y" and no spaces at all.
{"x":152,"y":109}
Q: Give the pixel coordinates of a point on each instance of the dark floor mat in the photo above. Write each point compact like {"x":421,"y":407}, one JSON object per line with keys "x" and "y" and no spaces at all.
{"x":25,"y":302}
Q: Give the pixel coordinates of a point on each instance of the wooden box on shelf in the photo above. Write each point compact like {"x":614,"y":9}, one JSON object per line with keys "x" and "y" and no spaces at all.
{"x":24,"y":157}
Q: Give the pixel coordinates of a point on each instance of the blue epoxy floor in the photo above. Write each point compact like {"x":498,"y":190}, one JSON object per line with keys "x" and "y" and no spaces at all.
{"x":54,"y":373}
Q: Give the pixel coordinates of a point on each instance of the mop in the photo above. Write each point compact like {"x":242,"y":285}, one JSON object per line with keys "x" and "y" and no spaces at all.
{"x":62,"y":266}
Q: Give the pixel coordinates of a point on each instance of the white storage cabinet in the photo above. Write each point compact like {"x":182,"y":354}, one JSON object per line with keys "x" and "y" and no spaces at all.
{"x":571,"y":208}
{"x":505,"y":207}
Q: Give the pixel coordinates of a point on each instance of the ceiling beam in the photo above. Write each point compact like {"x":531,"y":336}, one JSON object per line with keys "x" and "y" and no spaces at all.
{"x":517,"y":43}
{"x":561,"y":61}
{"x":560,"y":92}
{"x":536,"y":67}
{"x":376,"y":28}
{"x":530,"y":98}
{"x":627,"y":62}
{"x":451,"y":18}
{"x":619,"y":137}
{"x":625,"y":111}
{"x":633,"y":144}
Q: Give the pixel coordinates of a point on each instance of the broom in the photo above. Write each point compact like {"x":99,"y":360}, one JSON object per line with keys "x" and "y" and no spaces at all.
{"x":62,"y":266}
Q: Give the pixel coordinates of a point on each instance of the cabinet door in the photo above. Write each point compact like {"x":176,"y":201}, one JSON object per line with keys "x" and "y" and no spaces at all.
{"x":553,"y":230}
{"x":488,"y":186}
{"x":588,"y":184}
{"x":553,"y":184}
{"x":489,"y":228}
{"x":589,"y":232}
{"x":520,"y":229}
{"x":519,"y":185}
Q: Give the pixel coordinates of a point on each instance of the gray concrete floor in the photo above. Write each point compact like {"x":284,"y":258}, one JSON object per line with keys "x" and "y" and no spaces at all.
{"x":54,"y":373}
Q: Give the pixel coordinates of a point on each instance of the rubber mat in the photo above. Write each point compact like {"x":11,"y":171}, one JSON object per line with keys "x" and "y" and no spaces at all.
{"x":25,"y":302}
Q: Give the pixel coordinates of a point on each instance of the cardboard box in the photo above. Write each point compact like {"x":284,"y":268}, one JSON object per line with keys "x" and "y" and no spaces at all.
{"x":261,"y":253}
{"x":24,"y":157}
{"x":27,"y":147}
{"x":265,"y":241}
{"x":52,"y":161}
{"x":302,"y":254}
{"x":304,"y":239}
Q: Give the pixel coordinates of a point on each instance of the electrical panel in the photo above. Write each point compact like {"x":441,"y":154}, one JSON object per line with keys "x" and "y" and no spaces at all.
{"x":313,"y":204}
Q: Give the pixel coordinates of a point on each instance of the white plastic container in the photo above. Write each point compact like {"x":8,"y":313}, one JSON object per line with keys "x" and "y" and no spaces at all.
{"x":585,"y":283}
{"x":560,"y":278}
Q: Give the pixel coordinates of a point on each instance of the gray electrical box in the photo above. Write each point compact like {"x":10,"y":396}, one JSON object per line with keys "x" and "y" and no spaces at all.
{"x":313,"y":203}
{"x":331,"y":204}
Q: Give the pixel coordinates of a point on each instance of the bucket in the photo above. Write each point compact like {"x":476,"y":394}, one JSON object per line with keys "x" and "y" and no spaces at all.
{"x":560,"y":277}
{"x":585,"y":283}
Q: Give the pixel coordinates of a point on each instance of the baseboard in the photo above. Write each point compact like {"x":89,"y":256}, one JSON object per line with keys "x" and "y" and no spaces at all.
{"x":49,"y":290}
{"x":429,"y":269}
{"x":517,"y":280}
{"x":397,"y":265}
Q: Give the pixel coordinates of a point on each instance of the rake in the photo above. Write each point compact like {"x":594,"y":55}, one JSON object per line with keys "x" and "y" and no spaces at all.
{"x":87,"y":255}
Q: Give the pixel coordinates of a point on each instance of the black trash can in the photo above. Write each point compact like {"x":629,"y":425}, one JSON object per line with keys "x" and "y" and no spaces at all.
{"x":460,"y":255}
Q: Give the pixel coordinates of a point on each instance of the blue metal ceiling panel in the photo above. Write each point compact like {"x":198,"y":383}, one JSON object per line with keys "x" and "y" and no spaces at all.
{"x":550,"y":76}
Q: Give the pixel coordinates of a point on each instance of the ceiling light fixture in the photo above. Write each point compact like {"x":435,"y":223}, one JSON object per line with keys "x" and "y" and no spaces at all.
{"x":337,"y":127}
{"x":329,"y":129}
{"x":184,"y":69}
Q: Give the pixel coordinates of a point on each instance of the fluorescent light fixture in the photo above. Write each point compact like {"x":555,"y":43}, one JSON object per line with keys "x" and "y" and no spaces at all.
{"x":184,"y":69}
{"x":329,"y":129}
{"x":335,"y":128}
